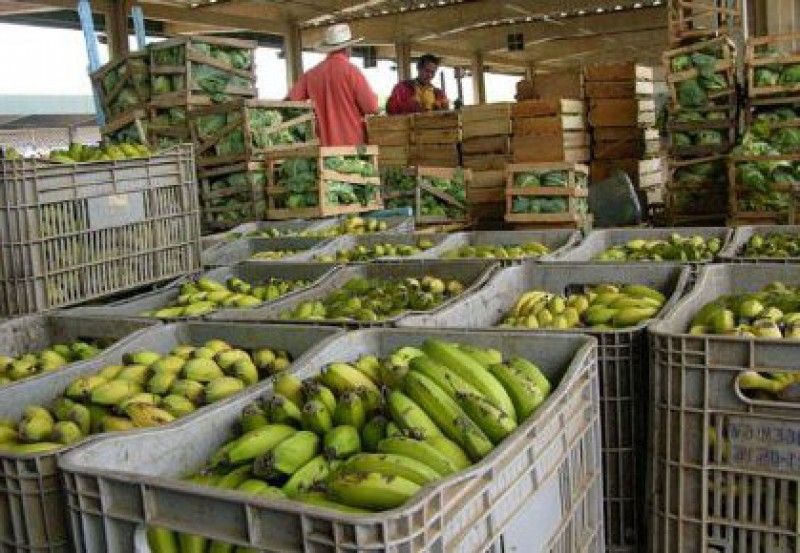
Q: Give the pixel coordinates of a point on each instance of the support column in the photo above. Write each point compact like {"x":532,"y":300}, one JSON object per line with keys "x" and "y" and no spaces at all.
{"x":530,"y":72}
{"x":116,"y":20}
{"x":293,"y":49}
{"x":478,"y":81}
{"x":402,"y":52}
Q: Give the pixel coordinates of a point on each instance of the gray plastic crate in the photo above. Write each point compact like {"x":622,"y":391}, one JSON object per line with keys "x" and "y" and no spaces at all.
{"x":70,"y":233}
{"x":623,"y":369}
{"x":248,"y":271}
{"x":559,"y":242}
{"x":32,"y":509}
{"x":741,"y":496}
{"x":472,"y":274}
{"x":119,"y":484}
{"x":349,"y":242}
{"x":244,"y":248}
{"x":732,"y":253}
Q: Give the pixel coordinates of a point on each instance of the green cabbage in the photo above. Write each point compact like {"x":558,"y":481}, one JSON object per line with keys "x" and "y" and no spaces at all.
{"x":681,"y":139}
{"x":691,"y":94}
{"x":766,"y":77}
{"x":787,"y":139}
{"x":791,"y":75}
{"x":714,"y":81}
{"x":522,"y":180}
{"x":681,"y":63}
{"x":555,"y":178}
{"x":709,"y":138}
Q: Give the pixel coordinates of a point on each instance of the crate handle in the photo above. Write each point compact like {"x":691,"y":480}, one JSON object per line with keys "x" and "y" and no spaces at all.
{"x":762,"y":402}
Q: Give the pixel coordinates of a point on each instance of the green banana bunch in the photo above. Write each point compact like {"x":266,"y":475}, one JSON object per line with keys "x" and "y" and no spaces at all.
{"x":492,"y":251}
{"x":57,"y":356}
{"x":377,"y":251}
{"x":676,"y":248}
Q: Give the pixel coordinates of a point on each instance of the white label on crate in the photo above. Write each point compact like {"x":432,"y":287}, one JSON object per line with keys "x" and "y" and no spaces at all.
{"x":762,"y":444}
{"x":116,"y":210}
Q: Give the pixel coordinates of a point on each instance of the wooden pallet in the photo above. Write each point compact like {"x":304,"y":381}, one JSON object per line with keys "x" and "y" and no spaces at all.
{"x":130,"y":74}
{"x":738,"y":192}
{"x":726,"y":66}
{"x":788,"y":48}
{"x":276,"y":193}
{"x":129,"y":127}
{"x":619,"y":81}
{"x":574,"y":192}
{"x":297,"y":117}
{"x":692,"y":20}
{"x":224,"y":205}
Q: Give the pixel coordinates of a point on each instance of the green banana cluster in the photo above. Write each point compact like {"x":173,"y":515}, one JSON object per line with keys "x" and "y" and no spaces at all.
{"x":206,"y":295}
{"x":362,"y":299}
{"x":350,"y":225}
{"x":496,"y":251}
{"x":603,"y":306}
{"x":365,"y":436}
{"x":79,"y":152}
{"x":13,"y":369}
{"x":272,"y":255}
{"x":773,"y":312}
{"x":772,"y":386}
{"x":148,"y":389}
{"x":776,"y":245}
{"x":676,"y":248}
{"x":368,"y":253}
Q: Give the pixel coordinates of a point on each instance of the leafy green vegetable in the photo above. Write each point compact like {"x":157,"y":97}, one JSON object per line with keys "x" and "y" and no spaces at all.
{"x":691,"y":94}
{"x":791,"y":75}
{"x":680,"y":63}
{"x":766,"y":77}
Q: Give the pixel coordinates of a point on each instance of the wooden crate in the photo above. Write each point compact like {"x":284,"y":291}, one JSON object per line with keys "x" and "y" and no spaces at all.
{"x":277,"y":193}
{"x":703,"y":201}
{"x":130,"y":74}
{"x":691,"y":20}
{"x":169,"y":118}
{"x":236,"y":119}
{"x":550,"y":130}
{"x":738,"y":192}
{"x":225,"y":204}
{"x":727,"y":124}
{"x":179,"y":59}
{"x":619,"y":80}
{"x":559,"y":84}
{"x":625,"y":142}
{"x":784,"y":51}
{"x":422,"y":188}
{"x":436,"y":120}
{"x":487,"y":187}
{"x":478,"y":146}
{"x":754,"y":106}
{"x":624,"y":112}
{"x":436,"y":155}
{"x":575,"y":191}
{"x":487,"y":120}
{"x":573,"y":147}
{"x":486,"y":162}
{"x":725,"y":66}
{"x":395,"y":155}
{"x":129,"y":127}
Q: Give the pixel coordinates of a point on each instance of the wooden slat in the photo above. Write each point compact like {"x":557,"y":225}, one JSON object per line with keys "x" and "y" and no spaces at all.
{"x":486,"y":145}
{"x":610,"y":72}
{"x":539,"y":108}
{"x":621,"y":113}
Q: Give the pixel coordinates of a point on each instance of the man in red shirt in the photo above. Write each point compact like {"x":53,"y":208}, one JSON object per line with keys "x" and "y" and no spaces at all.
{"x":340,"y":92}
{"x":418,"y":94}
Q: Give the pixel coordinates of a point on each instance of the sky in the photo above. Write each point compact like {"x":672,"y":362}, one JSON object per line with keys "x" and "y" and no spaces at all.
{"x":55,"y":62}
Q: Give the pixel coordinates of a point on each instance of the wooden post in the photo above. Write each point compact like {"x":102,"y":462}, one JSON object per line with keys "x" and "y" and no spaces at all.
{"x":293,"y":50}
{"x":478,"y":81}
{"x":403,"y":56}
{"x":116,"y":20}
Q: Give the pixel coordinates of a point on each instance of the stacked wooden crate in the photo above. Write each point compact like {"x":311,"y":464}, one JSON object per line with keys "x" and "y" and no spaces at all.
{"x":437,"y":195}
{"x":547,"y":195}
{"x":693,"y":20}
{"x":392,"y":133}
{"x":486,"y":150}
{"x":549,"y":130}
{"x":122,"y":88}
{"x":436,"y":139}
{"x":622,"y":115}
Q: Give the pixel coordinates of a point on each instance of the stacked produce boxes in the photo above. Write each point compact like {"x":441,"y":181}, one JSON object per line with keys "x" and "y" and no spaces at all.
{"x":693,"y":20}
{"x":438,"y":195}
{"x":392,"y":133}
{"x":548,"y":195}
{"x":122,"y":88}
{"x":550,"y":130}
{"x":622,"y":118}
{"x":703,"y":118}
{"x":436,"y":139}
{"x":764,"y":168}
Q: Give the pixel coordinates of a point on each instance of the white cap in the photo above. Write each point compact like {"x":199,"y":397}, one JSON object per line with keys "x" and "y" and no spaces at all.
{"x":337,"y":37}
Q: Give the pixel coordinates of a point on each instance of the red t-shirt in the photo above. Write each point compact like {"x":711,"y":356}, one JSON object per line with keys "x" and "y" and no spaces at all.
{"x":342,"y":97}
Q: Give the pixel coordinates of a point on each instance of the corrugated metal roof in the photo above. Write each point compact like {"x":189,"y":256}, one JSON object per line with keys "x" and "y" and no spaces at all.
{"x":45,"y":121}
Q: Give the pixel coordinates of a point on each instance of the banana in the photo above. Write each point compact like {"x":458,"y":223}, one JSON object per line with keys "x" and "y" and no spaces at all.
{"x":306,"y":477}
{"x":191,"y":390}
{"x":66,"y":432}
{"x":81,"y":388}
{"x":370,"y":490}
{"x":290,"y":387}
{"x":146,"y":358}
{"x":201,"y":370}
{"x":631,"y":316}
{"x":144,"y":415}
{"x":189,"y":543}
{"x":134,"y":373}
{"x":422,"y":451}
{"x":116,"y":424}
{"x":253,"y":416}
{"x":260,"y":488}
{"x":227,"y":359}
{"x":369,"y":366}
{"x":350,"y":410}
{"x":496,"y":424}
{"x":451,"y":450}
{"x":221,"y":547}
{"x":185,"y":352}
{"x":315,"y":390}
{"x":528,"y":297}
{"x":319,"y":499}
{"x":340,"y":442}
{"x":36,"y":424}
{"x":253,"y":444}
{"x":245,"y":371}
{"x":264,"y":360}
{"x":61,"y":408}
{"x":373,"y":432}
{"x":170,"y":364}
{"x":161,"y":540}
{"x":113,"y":392}
{"x":161,"y":382}
{"x":341,"y":377}
{"x":143,"y":397}
{"x":410,"y":416}
{"x":177,"y":406}
{"x":392,"y":465}
{"x":288,"y":456}
{"x":446,"y":379}
{"x":316,"y":418}
{"x":471,"y":371}
{"x":393,"y":430}
{"x":29,"y":449}
{"x":7,"y":435}
{"x":641,"y":291}
{"x":484,"y":356}
{"x":234,"y":478}
{"x":371,"y":400}
{"x":447,"y":415}
{"x":97,"y":413}
{"x":221,"y":388}
{"x":282,"y":411}
{"x":527,"y":396}
{"x":532,"y":373}
{"x":110,"y":372}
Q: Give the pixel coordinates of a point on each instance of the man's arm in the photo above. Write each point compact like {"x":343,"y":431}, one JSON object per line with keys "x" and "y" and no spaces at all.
{"x":441,"y":99}
{"x":402,"y":101}
{"x":366,"y":99}
{"x":299,"y":91}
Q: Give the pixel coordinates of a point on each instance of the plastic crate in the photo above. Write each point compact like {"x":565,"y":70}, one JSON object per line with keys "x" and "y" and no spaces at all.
{"x":244,"y":248}
{"x":75,"y":232}
{"x":559,"y":242}
{"x":348,"y":242}
{"x":743,"y":496}
{"x":623,"y":370}
{"x":472,"y":274}
{"x":32,"y":510}
{"x":553,"y":460}
{"x":248,"y":271}
{"x":732,"y":253}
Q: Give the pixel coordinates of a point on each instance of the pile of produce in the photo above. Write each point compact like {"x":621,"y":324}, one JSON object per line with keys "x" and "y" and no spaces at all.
{"x":498,"y":251}
{"x":698,"y":185}
{"x":402,"y":184}
{"x":776,"y":245}
{"x":206,"y":295}
{"x":300,"y":178}
{"x":693,"y":93}
{"x":136,"y":92}
{"x":773,"y":312}
{"x":353,"y":224}
{"x":548,"y":204}
{"x":47,"y":360}
{"x":778,"y":74}
{"x":271,"y":255}
{"x":601,"y":306}
{"x":147,"y":390}
{"x":676,"y":248}
{"x":763,"y":179}
{"x":377,"y":251}
{"x":376,"y":299}
{"x":77,"y":153}
{"x":770,"y":386}
{"x":366,"y":436}
{"x":235,"y":197}
{"x":773,"y":125}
